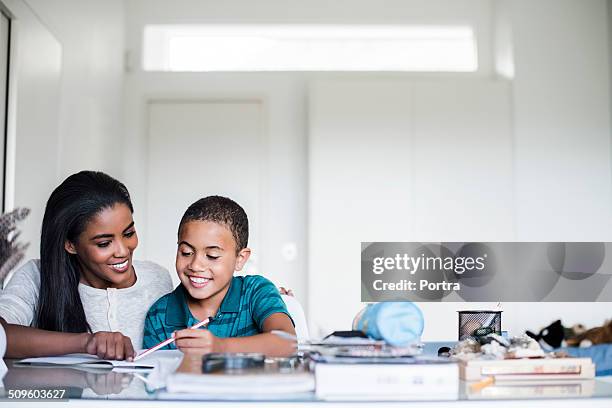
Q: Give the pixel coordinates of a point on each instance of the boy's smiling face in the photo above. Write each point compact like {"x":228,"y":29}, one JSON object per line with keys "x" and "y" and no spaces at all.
{"x":206,"y":259}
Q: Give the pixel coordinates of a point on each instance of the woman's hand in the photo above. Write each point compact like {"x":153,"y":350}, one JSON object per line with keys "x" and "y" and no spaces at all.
{"x":198,"y":340}
{"x":109,"y":345}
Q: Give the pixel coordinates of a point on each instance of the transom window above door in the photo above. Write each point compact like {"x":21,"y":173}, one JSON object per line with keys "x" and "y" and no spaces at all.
{"x":298,"y":47}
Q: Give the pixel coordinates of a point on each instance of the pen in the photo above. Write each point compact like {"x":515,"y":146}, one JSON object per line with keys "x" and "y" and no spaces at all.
{"x":170,"y":340}
{"x":478,"y":386}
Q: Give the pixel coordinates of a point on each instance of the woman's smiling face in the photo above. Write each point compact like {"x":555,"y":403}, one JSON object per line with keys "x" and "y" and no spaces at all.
{"x":104,"y":249}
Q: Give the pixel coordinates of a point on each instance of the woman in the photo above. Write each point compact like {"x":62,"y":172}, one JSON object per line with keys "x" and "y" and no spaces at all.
{"x":85,"y":294}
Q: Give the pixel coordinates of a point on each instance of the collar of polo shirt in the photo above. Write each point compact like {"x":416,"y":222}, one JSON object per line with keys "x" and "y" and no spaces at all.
{"x":177,"y":310}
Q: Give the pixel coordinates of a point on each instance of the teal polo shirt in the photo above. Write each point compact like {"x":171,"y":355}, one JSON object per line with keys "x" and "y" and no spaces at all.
{"x":249,"y":301}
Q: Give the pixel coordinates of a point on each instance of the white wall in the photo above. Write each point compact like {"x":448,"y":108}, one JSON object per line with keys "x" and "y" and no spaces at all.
{"x":562,"y":120}
{"x":562,"y":132}
{"x":33,"y":138}
{"x":400,"y":160}
{"x":551,"y":160}
{"x":552,"y":139}
{"x":561,"y":116}
{"x":609,"y":5}
{"x":285,"y":95}
{"x":69,"y":72}
{"x":92,"y":35}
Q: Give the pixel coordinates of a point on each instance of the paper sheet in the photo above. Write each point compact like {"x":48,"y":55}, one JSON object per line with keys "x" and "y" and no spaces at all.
{"x":88,"y":360}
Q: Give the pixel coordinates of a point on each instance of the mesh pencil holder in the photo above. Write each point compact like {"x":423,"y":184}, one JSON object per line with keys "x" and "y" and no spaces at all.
{"x":473,"y":323}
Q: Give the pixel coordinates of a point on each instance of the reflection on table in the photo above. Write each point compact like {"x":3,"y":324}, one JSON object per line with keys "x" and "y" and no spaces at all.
{"x":79,"y":382}
{"x":103,"y":384}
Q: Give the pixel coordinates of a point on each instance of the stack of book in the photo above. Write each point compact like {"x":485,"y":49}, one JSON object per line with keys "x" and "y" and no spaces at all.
{"x":260,"y":383}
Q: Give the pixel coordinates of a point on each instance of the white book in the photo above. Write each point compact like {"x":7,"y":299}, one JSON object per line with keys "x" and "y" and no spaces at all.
{"x":531,"y":389}
{"x":251,"y":384}
{"x":536,"y":369}
{"x":387,"y":381}
{"x":91,"y":361}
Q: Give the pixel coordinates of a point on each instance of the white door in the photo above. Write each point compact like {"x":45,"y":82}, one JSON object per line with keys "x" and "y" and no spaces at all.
{"x":196,"y":149}
{"x":5,"y":25}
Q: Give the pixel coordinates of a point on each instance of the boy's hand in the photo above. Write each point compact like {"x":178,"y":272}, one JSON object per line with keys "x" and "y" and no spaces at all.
{"x":109,"y":345}
{"x":198,"y":340}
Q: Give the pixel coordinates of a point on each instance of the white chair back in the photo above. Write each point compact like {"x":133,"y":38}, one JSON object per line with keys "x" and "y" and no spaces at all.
{"x":297,"y":314}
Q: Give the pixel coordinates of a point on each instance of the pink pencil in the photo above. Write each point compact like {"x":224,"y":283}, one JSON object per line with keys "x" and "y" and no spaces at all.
{"x":166,"y":342}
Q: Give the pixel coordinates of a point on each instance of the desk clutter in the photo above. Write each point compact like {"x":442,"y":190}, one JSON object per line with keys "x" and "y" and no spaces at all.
{"x":381,"y":359}
{"x":355,"y":370}
{"x":517,"y":359}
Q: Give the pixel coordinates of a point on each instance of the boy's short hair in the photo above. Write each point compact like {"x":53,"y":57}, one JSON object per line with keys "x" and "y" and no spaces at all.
{"x":220,"y":210}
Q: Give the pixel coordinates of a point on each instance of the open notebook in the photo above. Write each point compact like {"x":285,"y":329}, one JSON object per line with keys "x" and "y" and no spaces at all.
{"x":88,"y":360}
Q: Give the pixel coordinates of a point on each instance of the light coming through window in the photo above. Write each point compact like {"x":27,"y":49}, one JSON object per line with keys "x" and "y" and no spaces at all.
{"x":309,"y":48}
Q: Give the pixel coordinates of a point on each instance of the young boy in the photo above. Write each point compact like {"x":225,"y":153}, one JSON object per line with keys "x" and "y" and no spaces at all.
{"x":212,"y":244}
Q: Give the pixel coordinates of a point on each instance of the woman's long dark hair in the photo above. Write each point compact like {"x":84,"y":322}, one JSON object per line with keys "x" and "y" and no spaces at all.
{"x":71,"y":206}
